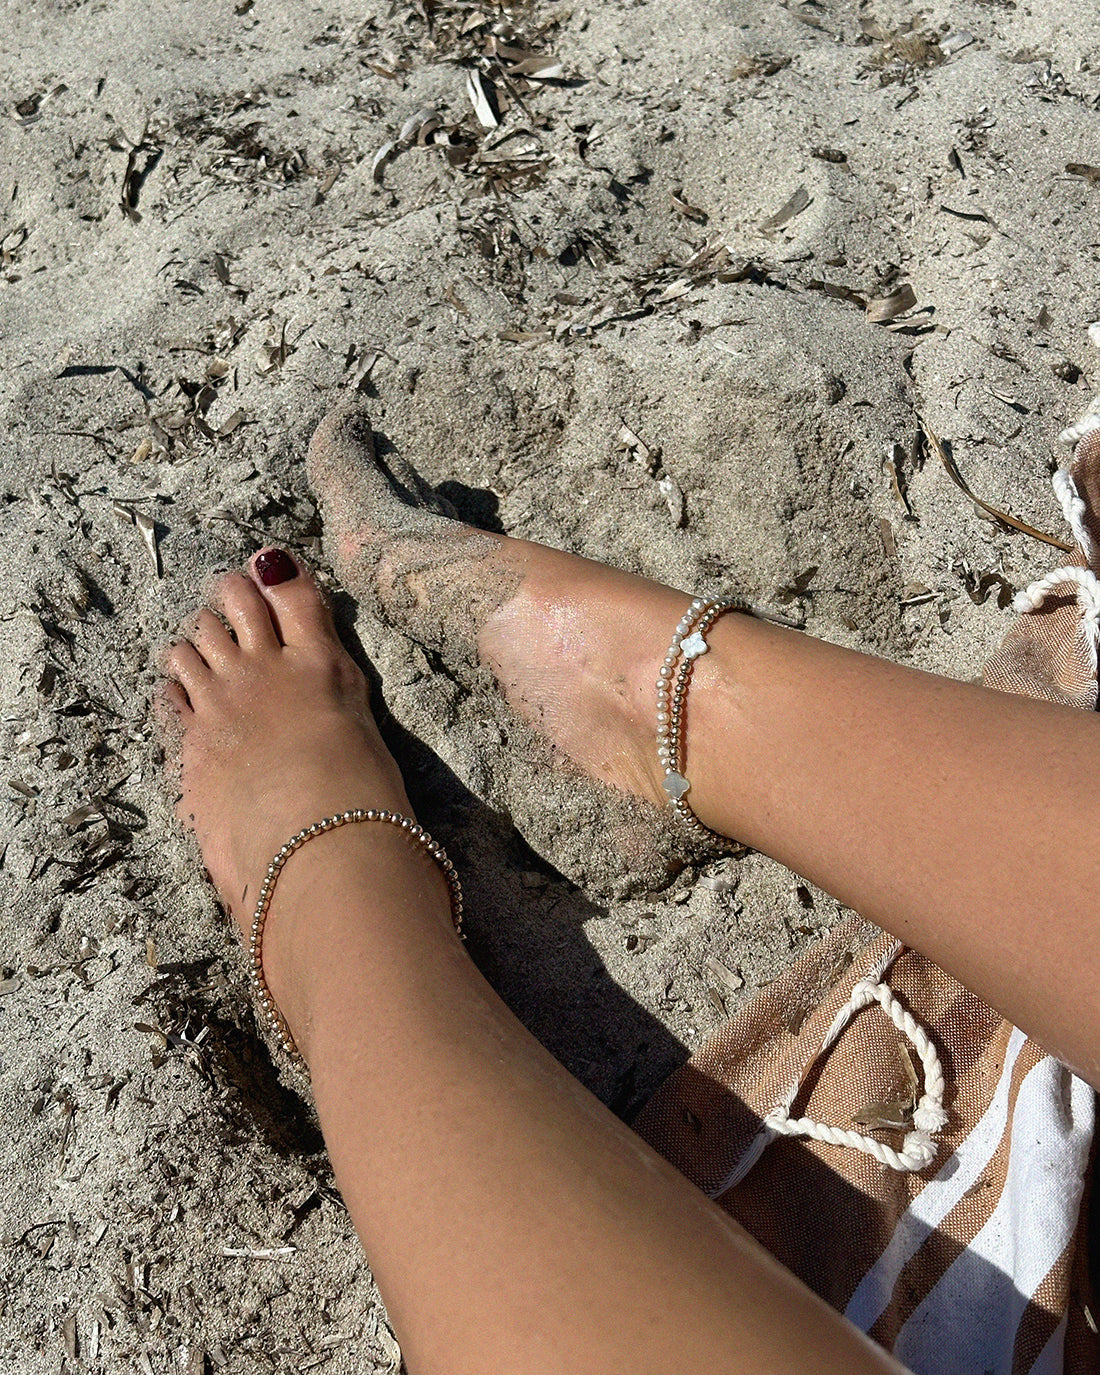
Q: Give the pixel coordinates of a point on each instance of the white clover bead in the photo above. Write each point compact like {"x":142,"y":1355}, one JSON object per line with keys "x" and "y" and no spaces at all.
{"x":695,"y":645}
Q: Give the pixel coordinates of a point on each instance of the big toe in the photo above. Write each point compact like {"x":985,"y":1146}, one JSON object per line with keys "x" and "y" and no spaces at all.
{"x":298,"y":611}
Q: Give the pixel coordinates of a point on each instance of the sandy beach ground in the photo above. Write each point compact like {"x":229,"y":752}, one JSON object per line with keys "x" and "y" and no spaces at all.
{"x":685,"y":287}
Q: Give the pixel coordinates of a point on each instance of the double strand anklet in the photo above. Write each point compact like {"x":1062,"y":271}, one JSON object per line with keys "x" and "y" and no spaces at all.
{"x":275,"y":1019}
{"x":688,"y":643}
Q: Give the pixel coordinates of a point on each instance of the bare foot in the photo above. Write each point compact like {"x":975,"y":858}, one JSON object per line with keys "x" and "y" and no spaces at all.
{"x":276,"y":734}
{"x":574,"y":645}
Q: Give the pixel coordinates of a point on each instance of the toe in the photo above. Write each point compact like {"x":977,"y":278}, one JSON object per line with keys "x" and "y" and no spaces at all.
{"x":213,"y":640}
{"x":186,"y":666}
{"x":175,"y":699}
{"x":297,"y":608}
{"x":248,"y":612}
{"x":171,"y":707}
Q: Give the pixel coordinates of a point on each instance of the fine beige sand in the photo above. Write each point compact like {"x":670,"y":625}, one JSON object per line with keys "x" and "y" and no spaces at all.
{"x":674,"y":285}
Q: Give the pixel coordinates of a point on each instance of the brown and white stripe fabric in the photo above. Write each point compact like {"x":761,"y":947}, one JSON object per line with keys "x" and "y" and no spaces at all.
{"x":974,"y":1262}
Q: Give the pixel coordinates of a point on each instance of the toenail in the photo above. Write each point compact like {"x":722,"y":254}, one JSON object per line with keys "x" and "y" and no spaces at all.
{"x":273,"y":566}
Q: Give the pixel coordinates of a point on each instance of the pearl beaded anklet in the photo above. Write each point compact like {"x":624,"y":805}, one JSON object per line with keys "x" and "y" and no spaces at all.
{"x":275,"y":1019}
{"x":687,"y":645}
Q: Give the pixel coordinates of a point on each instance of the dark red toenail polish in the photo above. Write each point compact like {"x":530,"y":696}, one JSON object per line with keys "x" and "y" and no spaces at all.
{"x":274,"y":566}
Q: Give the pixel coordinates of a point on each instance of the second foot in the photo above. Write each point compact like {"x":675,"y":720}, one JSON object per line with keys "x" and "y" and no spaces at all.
{"x":574,"y":645}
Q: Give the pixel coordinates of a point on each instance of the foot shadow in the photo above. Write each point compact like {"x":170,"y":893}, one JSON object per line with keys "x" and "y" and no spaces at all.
{"x":475,"y":505}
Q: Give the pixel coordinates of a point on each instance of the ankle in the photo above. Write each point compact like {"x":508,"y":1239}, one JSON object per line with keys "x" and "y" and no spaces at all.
{"x":342,"y":897}
{"x":728,"y":700}
{"x":576,"y":651}
{"x":655,"y":619}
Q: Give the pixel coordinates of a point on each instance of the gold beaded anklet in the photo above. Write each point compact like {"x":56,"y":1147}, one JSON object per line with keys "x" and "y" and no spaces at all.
{"x":275,"y":1019}
{"x":688,"y":644}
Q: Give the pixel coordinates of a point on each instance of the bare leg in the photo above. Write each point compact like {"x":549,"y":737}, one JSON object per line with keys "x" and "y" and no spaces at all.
{"x":513,"y":1223}
{"x":956,"y":817}
{"x":953,"y":816}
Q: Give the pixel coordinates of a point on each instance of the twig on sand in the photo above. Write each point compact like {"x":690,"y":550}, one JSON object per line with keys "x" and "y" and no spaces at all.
{"x":960,"y":482}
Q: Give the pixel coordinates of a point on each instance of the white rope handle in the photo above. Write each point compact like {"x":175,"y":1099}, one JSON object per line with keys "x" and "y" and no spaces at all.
{"x":918,"y":1150}
{"x":1073,"y":509}
{"x":1086,"y":588}
{"x":1083,"y":581}
{"x":1091,"y":418}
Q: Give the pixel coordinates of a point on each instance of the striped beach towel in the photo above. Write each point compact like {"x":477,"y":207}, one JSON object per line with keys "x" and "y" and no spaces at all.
{"x":913,"y":1157}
